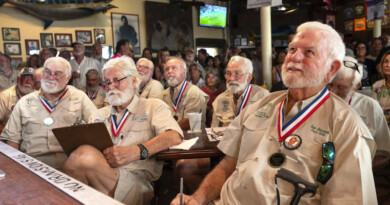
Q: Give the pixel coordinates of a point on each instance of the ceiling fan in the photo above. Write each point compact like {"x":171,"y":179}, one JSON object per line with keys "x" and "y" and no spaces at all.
{"x":187,"y":3}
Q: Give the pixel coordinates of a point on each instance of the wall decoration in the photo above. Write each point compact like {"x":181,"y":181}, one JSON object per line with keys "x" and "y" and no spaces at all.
{"x":330,"y":19}
{"x":15,"y":62}
{"x":63,"y":39}
{"x":386,"y":5}
{"x":169,"y":26}
{"x":349,"y":12}
{"x":12,"y":49}
{"x":125,"y":26}
{"x":359,"y":10}
{"x":348,"y":26}
{"x":100,"y":35}
{"x":32,"y":46}
{"x":237,"y":42}
{"x":244,"y":42}
{"x":47,"y":40}
{"x":84,"y":36}
{"x":360,"y":24}
{"x":11,"y":34}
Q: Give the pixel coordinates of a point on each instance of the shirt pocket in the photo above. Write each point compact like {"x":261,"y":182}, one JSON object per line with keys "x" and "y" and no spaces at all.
{"x":138,"y":132}
{"x":252,"y":135}
{"x":225,"y":117}
{"x":70,"y":114}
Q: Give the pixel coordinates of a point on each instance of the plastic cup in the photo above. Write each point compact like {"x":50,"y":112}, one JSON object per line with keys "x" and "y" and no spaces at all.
{"x":195,"y":121}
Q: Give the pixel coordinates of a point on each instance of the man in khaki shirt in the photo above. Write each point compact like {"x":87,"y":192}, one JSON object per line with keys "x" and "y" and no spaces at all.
{"x":239,"y":94}
{"x":9,"y":97}
{"x":8,"y":76}
{"x":182,"y":97}
{"x":93,"y":90}
{"x":149,"y":88}
{"x":139,"y":128}
{"x":30,"y":125}
{"x":306,"y":130}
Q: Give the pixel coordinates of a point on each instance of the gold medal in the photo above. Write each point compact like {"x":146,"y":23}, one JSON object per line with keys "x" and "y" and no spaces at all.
{"x":48,"y":121}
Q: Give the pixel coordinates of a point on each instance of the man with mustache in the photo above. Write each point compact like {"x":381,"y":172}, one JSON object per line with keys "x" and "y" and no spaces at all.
{"x":139,"y":128}
{"x":182,"y":97}
{"x":333,"y":147}
{"x":239,"y":92}
{"x":345,"y":84}
{"x":149,"y":88}
{"x":8,"y":76}
{"x":80,"y":65}
{"x":30,"y":125}
{"x":9,"y":97}
{"x":93,"y":90}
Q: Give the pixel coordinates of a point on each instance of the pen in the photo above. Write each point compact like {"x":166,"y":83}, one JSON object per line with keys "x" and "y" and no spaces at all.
{"x":181,"y":190}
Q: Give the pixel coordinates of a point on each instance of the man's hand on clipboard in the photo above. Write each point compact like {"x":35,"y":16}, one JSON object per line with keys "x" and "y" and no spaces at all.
{"x":118,"y":156}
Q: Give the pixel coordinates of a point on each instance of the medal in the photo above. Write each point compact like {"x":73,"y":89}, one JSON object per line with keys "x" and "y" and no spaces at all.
{"x":48,"y":121}
{"x":277,"y":159}
{"x":292,"y":142}
{"x":116,"y":128}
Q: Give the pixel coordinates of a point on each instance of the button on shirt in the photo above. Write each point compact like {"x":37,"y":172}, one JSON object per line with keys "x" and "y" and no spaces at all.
{"x":253,"y":137}
{"x":85,"y":65}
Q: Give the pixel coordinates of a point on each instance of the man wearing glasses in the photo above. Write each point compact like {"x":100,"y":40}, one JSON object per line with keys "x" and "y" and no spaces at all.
{"x":344,"y":84}
{"x":239,"y":93}
{"x":306,"y":130}
{"x":139,"y":129}
{"x":149,"y":88}
{"x":182,"y":97}
{"x":36,"y":114}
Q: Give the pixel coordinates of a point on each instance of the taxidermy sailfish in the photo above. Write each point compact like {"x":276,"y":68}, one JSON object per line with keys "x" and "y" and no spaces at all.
{"x":50,"y":10}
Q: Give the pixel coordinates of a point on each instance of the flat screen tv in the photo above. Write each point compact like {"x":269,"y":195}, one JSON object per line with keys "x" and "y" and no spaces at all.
{"x":212,"y":16}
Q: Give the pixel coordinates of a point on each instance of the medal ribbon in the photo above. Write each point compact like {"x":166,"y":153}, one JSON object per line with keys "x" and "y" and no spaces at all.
{"x":301,"y":117}
{"x":175,"y":105}
{"x":115,"y":128}
{"x":350,"y":100}
{"x":244,"y":99}
{"x":93,"y":96}
{"x":48,"y":107}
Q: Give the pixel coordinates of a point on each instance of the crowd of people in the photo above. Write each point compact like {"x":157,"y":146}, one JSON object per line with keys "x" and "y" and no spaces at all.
{"x":316,"y":122}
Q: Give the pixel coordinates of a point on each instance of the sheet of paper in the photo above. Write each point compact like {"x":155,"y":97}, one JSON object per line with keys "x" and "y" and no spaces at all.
{"x":215,"y":133}
{"x":186,"y":144}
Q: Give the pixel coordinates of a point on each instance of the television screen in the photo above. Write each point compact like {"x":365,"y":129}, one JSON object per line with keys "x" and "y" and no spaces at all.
{"x":212,"y":16}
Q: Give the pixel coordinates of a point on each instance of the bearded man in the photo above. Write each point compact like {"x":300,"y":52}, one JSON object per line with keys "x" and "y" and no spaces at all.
{"x":30,"y":125}
{"x":9,"y":97}
{"x":93,"y":90}
{"x":139,"y":129}
{"x":149,"y":88}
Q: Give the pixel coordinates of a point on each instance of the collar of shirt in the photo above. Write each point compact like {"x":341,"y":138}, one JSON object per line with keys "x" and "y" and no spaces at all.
{"x":132,"y":107}
{"x":176,"y":90}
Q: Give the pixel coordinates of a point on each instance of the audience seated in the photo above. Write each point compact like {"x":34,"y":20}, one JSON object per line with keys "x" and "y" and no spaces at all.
{"x":149,"y":88}
{"x":93,"y":89}
{"x":381,"y":88}
{"x":8,"y":76}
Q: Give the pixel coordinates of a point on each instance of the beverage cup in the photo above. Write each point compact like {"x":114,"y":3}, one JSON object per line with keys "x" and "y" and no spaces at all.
{"x":195,"y":121}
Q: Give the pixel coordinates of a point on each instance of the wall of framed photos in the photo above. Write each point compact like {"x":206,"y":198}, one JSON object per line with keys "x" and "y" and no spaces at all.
{"x":30,"y":29}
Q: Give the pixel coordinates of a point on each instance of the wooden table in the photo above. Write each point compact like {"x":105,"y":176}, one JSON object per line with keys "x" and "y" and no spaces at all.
{"x":20,"y":186}
{"x":203,"y":148}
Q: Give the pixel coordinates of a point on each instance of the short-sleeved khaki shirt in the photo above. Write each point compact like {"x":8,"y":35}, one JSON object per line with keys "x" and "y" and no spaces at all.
{"x":8,"y":99}
{"x":152,"y":89}
{"x":6,"y":82}
{"x":225,"y":109}
{"x":98,"y":99}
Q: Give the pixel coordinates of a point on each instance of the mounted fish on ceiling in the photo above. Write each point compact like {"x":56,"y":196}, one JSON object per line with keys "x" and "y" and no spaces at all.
{"x":50,"y":10}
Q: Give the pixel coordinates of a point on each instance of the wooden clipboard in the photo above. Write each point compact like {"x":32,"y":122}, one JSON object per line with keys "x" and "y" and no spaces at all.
{"x":94,"y":134}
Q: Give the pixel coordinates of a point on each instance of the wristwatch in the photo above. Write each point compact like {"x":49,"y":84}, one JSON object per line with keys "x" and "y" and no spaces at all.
{"x":144,"y":153}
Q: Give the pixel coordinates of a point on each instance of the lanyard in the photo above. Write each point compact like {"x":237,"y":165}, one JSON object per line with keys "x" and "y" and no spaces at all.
{"x":175,"y":104}
{"x":245,"y":100}
{"x":93,"y":96}
{"x":115,"y":128}
{"x":48,"y":107}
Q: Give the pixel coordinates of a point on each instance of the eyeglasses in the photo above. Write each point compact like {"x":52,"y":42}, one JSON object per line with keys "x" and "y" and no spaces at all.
{"x":228,"y":74}
{"x":106,"y":84}
{"x":143,"y":67}
{"x":328,"y":155}
{"x":57,"y":75}
{"x":214,"y":77}
{"x":353,"y":65}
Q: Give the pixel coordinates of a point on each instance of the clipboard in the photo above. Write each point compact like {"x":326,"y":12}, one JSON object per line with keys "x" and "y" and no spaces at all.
{"x":94,"y":134}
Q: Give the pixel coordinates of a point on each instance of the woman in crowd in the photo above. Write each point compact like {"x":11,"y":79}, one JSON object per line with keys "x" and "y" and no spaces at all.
{"x":209,"y":64}
{"x":212,"y":90}
{"x":147,"y":53}
{"x":369,"y":72}
{"x":381,"y":88}
{"x":33,"y":61}
{"x":195,"y":75}
{"x":277,"y":68}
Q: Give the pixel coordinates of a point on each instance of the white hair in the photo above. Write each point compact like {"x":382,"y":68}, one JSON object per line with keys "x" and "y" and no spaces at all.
{"x":248,"y":63}
{"x":128,"y":68}
{"x":68,"y":67}
{"x":183,"y":63}
{"x":149,"y":62}
{"x":346,"y":72}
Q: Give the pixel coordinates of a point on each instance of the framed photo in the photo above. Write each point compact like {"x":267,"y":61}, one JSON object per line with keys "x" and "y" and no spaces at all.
{"x":12,"y":49}
{"x":237,"y":42}
{"x":100,"y":35}
{"x":84,"y":36}
{"x":63,"y":39}
{"x":330,"y":19}
{"x":243,"y":42}
{"x":32,"y":46}
{"x":11,"y":34}
{"x":15,"y":62}
{"x":47,"y":40}
{"x":125,"y":26}
{"x":349,"y":26}
{"x":360,"y":24}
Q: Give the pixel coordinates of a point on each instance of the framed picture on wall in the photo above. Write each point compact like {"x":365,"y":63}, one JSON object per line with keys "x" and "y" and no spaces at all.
{"x":360,"y":24}
{"x":63,"y":39}
{"x":47,"y":40}
{"x":12,"y":49}
{"x":15,"y":62}
{"x":330,"y":19}
{"x":100,"y":35}
{"x":11,"y":34}
{"x":32,"y":46}
{"x":84,"y":36}
{"x":125,"y":26}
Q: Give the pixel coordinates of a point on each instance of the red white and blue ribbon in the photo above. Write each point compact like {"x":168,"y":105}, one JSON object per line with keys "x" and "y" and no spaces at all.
{"x":175,"y":104}
{"x":115,"y":128}
{"x":245,"y":99}
{"x":301,"y":117}
{"x":93,"y":96}
{"x":48,"y":107}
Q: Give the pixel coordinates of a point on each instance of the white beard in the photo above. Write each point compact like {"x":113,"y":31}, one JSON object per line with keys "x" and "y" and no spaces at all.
{"x":26,"y":89}
{"x":172,"y":81}
{"x":306,"y":78}
{"x":78,"y":53}
{"x":117,"y":98}
{"x":50,"y":86}
{"x":235,"y":87}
